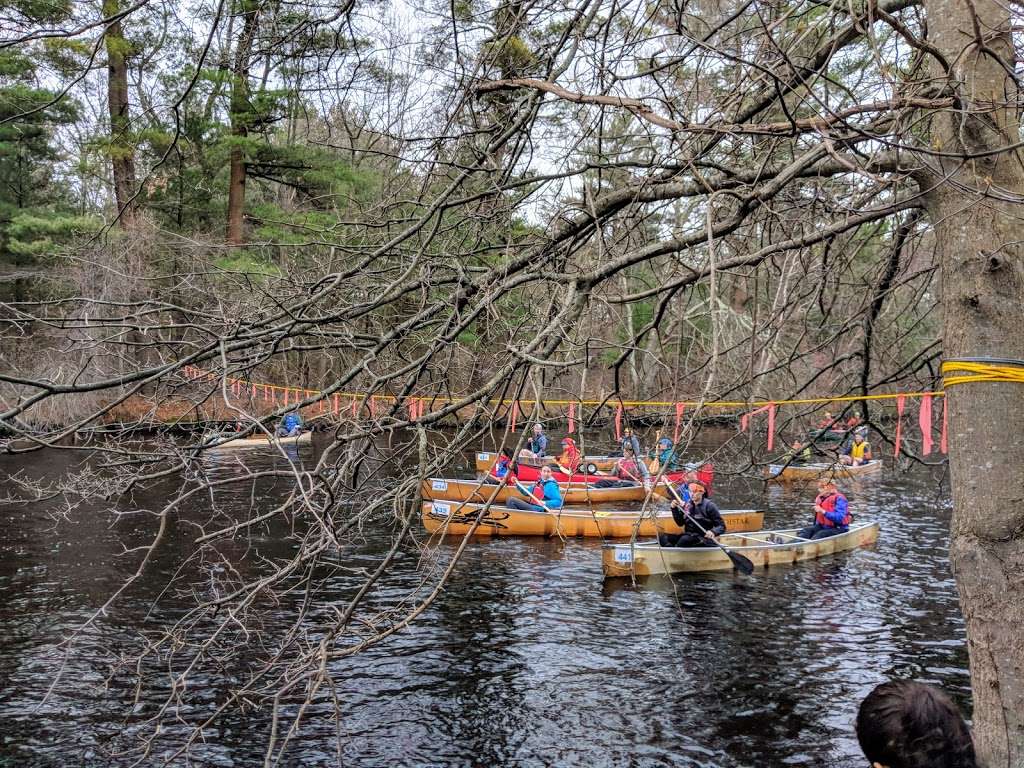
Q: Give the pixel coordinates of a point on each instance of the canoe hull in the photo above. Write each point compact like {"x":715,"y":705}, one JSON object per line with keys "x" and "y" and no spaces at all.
{"x":527,"y":474}
{"x":262,"y":442}
{"x":455,"y":519}
{"x":485,"y":462}
{"x":440,"y":489}
{"x":648,"y":559}
{"x":779,"y":473}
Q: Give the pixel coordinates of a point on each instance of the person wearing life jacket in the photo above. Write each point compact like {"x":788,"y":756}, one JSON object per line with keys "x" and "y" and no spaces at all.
{"x":693,"y":515}
{"x":831,"y":513}
{"x":290,"y":426}
{"x":536,"y":444}
{"x":545,"y":490}
{"x":665,"y":459}
{"x":799,"y":453}
{"x":827,"y":421}
{"x":857,"y":451}
{"x":501,"y":472}
{"x":570,"y":455}
{"x":628,"y":471}
{"x":853,"y":421}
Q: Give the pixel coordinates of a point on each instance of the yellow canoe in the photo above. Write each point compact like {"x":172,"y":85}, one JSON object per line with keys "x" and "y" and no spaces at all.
{"x":780,"y":473}
{"x":443,"y":489}
{"x":485,"y":461}
{"x":455,"y":519}
{"x":763,"y":549}
{"x":263,"y":442}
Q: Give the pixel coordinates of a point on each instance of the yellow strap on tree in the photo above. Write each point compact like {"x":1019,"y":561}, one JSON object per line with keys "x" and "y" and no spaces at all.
{"x":1006,"y":371}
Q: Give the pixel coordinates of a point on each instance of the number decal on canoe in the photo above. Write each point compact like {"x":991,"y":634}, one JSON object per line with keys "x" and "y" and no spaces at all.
{"x":440,"y":510}
{"x":439,"y":485}
{"x":483,"y":457}
{"x":624,"y":555}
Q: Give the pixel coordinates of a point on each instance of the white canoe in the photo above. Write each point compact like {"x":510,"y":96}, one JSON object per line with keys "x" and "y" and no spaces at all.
{"x":763,"y":549}
{"x":261,"y":441}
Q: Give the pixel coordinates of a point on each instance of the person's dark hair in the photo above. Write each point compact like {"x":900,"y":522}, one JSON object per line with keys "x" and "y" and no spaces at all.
{"x":904,"y":724}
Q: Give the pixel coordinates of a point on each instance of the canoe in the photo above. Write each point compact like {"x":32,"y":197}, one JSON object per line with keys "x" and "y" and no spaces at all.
{"x":456,"y":519}
{"x":763,"y":549}
{"x":780,"y":473}
{"x":442,"y":489}
{"x":262,"y":441}
{"x":485,"y":462}
{"x":527,"y":474}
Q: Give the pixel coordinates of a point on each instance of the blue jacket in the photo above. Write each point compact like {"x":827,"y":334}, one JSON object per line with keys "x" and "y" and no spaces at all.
{"x":291,"y":420}
{"x":537,"y":445}
{"x":552,"y":493}
{"x":502,"y":466}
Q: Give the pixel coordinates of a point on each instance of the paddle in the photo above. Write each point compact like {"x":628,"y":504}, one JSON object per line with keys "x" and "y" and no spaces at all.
{"x":529,"y":493}
{"x":743,"y":565}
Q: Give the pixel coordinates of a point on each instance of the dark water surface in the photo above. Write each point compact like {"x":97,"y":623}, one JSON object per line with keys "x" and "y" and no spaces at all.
{"x":526,"y":659}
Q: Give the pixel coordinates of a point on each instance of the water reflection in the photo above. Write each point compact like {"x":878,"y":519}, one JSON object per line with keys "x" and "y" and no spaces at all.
{"x":527,"y":657}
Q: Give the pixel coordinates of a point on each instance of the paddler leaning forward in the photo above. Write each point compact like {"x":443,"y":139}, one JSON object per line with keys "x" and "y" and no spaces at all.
{"x":693,"y":515}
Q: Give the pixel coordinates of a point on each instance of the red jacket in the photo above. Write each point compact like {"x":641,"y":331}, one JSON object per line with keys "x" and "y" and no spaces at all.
{"x":837,"y":510}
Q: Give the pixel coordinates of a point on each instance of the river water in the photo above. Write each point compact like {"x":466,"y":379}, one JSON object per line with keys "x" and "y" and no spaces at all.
{"x":527,"y":658}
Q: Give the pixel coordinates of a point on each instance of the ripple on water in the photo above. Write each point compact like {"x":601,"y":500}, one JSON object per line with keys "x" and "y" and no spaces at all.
{"x":526,"y":658}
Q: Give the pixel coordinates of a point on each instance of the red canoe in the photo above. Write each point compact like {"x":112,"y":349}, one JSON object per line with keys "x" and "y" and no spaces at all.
{"x":527,"y":474}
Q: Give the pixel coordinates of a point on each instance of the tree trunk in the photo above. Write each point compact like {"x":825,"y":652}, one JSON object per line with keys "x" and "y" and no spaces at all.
{"x":122,"y":150}
{"x":241,"y":119}
{"x":979,"y":239}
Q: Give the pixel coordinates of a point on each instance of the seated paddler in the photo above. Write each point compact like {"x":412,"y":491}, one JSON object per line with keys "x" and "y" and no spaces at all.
{"x":699,"y":518}
{"x":857,"y":451}
{"x":831,"y":513}
{"x":664,"y":459}
{"x":290,"y":426}
{"x":628,"y":470}
{"x":569,"y":458}
{"x":536,"y":444}
{"x":545,"y":490}
{"x":799,"y":453}
{"x":502,"y":471}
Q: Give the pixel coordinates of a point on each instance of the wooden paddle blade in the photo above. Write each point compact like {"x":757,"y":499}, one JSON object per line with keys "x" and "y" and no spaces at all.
{"x":743,"y":564}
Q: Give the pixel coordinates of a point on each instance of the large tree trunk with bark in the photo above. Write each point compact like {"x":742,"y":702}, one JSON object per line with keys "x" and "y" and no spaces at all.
{"x":122,"y":149}
{"x":241,"y":119}
{"x":979,"y":237}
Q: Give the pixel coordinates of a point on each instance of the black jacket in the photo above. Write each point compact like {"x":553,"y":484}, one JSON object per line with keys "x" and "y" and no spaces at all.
{"x":705,"y":513}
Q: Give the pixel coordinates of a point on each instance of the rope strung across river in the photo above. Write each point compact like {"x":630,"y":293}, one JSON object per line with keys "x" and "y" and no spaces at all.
{"x":244,"y":384}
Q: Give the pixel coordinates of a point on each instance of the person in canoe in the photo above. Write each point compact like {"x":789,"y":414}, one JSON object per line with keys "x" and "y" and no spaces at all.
{"x":545,"y":490}
{"x":854,"y":421}
{"x":664,"y":459}
{"x":501,"y":472}
{"x":569,"y":458}
{"x":693,"y":514}
{"x":799,"y":453}
{"x":536,"y":444}
{"x":628,"y":471}
{"x":290,"y":425}
{"x":857,"y":451}
{"x":827,"y":421}
{"x":831,"y":513}
{"x":628,"y":436}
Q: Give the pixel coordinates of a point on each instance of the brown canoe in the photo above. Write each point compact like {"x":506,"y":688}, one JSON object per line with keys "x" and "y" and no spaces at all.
{"x":442,"y":489}
{"x":455,"y":519}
